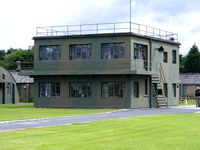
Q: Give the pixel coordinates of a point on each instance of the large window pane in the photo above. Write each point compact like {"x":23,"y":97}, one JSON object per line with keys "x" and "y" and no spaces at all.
{"x":113,"y":89}
{"x":112,"y":50}
{"x":49,"y":52}
{"x":49,"y":89}
{"x":82,"y":51}
{"x":140,"y":51}
{"x":80,"y":89}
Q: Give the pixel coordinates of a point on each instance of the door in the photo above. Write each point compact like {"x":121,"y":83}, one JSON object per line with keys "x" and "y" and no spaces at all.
{"x":2,"y":85}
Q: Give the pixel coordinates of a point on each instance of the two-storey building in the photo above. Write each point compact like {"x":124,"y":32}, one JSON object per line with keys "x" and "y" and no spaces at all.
{"x":99,"y":66}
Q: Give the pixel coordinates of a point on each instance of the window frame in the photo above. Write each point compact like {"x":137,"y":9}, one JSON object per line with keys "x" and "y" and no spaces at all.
{"x":48,"y":89}
{"x":146,"y":87}
{"x":174,"y":56}
{"x":136,"y":89}
{"x":165,"y":57}
{"x":80,"y":88}
{"x":140,"y":51}
{"x":174,"y":89}
{"x":73,"y":56}
{"x":115,"y":93}
{"x":113,"y":51}
{"x":49,"y":55}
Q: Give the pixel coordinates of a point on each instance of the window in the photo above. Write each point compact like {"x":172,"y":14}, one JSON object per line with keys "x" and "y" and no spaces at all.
{"x":146,"y":86}
{"x":9,"y":88}
{"x":174,"y":56}
{"x":140,"y":51}
{"x":165,"y":89}
{"x":174,"y":89}
{"x":49,"y":89}
{"x":112,"y":50}
{"x":112,"y":89}
{"x":82,"y":51}
{"x":165,"y":57}
{"x":136,"y":89}
{"x":80,"y":89}
{"x":49,"y":52}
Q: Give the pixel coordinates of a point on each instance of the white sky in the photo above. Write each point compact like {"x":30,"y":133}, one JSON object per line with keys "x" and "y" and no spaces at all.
{"x":19,"y":18}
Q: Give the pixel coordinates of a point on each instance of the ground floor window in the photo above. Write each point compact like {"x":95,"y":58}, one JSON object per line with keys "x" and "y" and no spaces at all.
{"x":49,"y":89}
{"x":113,"y":89}
{"x":80,"y":89}
{"x":9,"y":88}
{"x":174,"y":89}
{"x":136,"y":89}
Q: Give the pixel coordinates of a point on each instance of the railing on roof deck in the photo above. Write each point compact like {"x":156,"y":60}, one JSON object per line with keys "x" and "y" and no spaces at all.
{"x":117,"y":27}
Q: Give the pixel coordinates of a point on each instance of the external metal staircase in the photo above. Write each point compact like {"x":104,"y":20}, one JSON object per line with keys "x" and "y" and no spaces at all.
{"x":158,"y":89}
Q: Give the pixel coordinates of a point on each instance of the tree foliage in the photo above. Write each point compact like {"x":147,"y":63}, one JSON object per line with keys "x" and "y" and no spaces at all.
{"x":191,"y":63}
{"x":8,"y":58}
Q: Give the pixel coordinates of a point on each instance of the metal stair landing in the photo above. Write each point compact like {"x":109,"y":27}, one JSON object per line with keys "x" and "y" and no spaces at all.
{"x":158,"y":92}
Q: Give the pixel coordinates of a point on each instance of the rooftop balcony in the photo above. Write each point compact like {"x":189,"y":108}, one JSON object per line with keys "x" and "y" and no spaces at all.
{"x":105,"y":28}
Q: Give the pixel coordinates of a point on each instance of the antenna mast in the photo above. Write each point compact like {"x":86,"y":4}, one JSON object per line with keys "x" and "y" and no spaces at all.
{"x":130,"y":15}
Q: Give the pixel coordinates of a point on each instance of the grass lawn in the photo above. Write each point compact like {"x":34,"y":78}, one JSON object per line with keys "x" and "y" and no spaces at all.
{"x":158,"y":132}
{"x":26,"y":111}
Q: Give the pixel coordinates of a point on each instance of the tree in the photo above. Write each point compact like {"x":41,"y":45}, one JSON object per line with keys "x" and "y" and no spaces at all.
{"x":182,"y":60}
{"x":13,"y":55}
{"x":192,"y":61}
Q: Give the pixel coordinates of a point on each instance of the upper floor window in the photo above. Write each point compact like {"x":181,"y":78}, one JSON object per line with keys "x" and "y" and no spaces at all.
{"x":112,"y":50}
{"x":49,"y":89}
{"x":50,"y":52}
{"x":165,"y":57}
{"x":80,"y":89}
{"x":140,"y":51}
{"x":82,"y":51}
{"x":113,"y":89}
{"x":174,"y":56}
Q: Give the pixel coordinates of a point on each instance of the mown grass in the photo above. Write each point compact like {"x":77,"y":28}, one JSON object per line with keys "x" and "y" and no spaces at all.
{"x":158,"y":132}
{"x":26,"y":111}
{"x":189,"y":102}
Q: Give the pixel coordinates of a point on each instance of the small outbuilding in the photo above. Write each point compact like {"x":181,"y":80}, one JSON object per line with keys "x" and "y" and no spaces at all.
{"x":8,"y":89}
{"x":188,"y":84}
{"x":24,"y":86}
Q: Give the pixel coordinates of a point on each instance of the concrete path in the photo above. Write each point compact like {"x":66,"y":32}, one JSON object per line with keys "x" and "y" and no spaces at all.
{"x":36,"y":123}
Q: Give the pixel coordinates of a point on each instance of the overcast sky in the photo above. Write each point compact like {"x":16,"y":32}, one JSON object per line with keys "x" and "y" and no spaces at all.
{"x":19,"y":18}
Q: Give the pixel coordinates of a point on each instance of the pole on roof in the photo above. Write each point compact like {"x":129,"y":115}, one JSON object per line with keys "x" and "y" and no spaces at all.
{"x":130,"y":14}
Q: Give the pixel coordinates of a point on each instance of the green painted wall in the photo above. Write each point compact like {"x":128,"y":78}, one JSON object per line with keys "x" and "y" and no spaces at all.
{"x":127,"y":69}
{"x":9,"y":97}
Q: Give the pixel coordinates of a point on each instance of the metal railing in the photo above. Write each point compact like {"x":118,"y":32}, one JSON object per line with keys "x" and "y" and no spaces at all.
{"x":101,"y":28}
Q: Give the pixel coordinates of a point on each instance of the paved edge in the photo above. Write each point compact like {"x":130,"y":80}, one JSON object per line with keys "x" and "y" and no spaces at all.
{"x":1,"y":122}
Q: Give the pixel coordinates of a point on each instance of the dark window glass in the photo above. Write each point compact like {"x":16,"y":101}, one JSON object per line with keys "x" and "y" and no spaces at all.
{"x":112,"y":50}
{"x":49,"y":52}
{"x":174,"y":89}
{"x":82,"y":51}
{"x":136,"y":89}
{"x":80,"y":89}
{"x":165,"y":89}
{"x":49,"y":89}
{"x":174,"y":56}
{"x":146,"y":86}
{"x":165,"y":57}
{"x":140,"y":51}
{"x":112,"y":89}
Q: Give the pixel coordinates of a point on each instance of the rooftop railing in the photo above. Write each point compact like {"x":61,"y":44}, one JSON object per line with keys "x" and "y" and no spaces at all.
{"x":103,"y":28}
